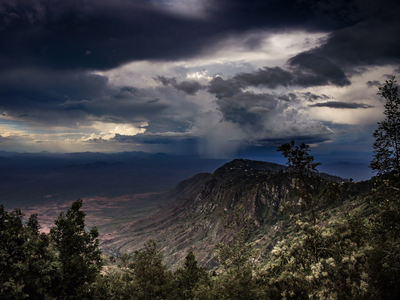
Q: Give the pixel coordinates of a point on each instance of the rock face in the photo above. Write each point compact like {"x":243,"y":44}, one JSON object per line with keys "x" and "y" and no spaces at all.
{"x":200,"y":208}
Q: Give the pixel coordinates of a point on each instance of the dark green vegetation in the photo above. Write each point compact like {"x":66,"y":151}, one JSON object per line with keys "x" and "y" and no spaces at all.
{"x":259,"y":230}
{"x":387,"y":135}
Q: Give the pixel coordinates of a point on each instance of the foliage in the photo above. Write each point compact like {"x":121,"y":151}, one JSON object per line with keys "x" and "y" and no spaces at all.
{"x":150,"y":274}
{"x":78,"y":253}
{"x":385,"y":237}
{"x":387,"y":135}
{"x":238,"y":259}
{"x":189,"y":278}
{"x":302,"y":166}
{"x":299,"y":159}
{"x":115,"y":284}
{"x":320,"y":262}
{"x":27,"y":265}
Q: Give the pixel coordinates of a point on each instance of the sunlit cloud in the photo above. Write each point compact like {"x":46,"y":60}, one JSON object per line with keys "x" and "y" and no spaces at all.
{"x":108,"y":131}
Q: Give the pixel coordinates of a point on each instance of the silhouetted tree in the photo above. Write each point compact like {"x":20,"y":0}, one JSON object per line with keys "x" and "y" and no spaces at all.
{"x":301,"y":165}
{"x":387,"y":135}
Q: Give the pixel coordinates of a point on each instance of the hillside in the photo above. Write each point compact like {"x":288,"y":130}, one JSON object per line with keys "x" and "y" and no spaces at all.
{"x":200,"y":208}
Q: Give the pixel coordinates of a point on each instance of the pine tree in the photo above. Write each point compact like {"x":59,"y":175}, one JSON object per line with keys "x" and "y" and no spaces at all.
{"x":28,"y":268}
{"x":12,"y":255}
{"x":78,"y":251}
{"x":189,"y":277}
{"x":150,"y":274}
{"x":387,"y":135}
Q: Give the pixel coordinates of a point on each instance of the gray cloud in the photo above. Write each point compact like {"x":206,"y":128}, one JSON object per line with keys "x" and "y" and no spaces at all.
{"x":268,"y":77}
{"x":72,"y":98}
{"x":265,"y":116}
{"x":368,"y":41}
{"x":314,"y":70}
{"x":341,"y":105}
{"x":223,"y":88}
{"x":311,"y":97}
{"x":101,"y":34}
{"x":247,"y":109}
{"x":190,"y":87}
{"x":305,"y":71}
{"x":373,"y":83}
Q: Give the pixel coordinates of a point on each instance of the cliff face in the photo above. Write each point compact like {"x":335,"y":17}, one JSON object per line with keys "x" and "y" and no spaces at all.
{"x":200,"y":208}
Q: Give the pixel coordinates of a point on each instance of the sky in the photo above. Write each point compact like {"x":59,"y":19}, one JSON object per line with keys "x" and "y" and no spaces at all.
{"x":215,"y":78}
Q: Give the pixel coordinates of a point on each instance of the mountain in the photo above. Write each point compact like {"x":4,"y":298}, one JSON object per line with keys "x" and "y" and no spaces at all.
{"x":197,"y":213}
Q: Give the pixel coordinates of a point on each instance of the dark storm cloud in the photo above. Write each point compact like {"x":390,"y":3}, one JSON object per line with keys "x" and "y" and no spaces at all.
{"x":314,"y":70}
{"x":304,"y":72}
{"x":69,"y":98}
{"x":48,"y":49}
{"x":319,"y":15}
{"x":103,"y":34}
{"x":190,"y":87}
{"x":92,"y":34}
{"x":268,"y":77}
{"x":372,"y":40}
{"x":364,"y":34}
{"x":341,"y":105}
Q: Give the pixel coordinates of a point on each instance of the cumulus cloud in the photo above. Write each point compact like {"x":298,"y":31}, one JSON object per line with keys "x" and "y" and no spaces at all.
{"x":108,"y":131}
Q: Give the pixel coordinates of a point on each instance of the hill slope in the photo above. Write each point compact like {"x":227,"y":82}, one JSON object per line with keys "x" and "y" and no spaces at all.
{"x":200,"y":208}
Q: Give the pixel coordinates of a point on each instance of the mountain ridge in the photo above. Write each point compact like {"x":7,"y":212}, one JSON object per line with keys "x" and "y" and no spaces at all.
{"x":198,"y":208}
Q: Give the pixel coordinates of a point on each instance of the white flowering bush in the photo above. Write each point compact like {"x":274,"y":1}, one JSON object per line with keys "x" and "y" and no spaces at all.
{"x":320,"y":262}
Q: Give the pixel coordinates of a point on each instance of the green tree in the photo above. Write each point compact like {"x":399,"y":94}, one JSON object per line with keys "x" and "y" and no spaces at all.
{"x":385,"y":237}
{"x":150,"y":274}
{"x":189,"y":277}
{"x":28,"y":268}
{"x":300,"y":161}
{"x":301,"y":165}
{"x":238,"y":260}
{"x":387,"y":135}
{"x":78,"y":253}
{"x":42,"y":268}
{"x":12,"y":255}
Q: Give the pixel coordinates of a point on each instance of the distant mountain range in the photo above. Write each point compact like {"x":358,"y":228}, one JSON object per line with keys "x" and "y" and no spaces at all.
{"x":29,"y":179}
